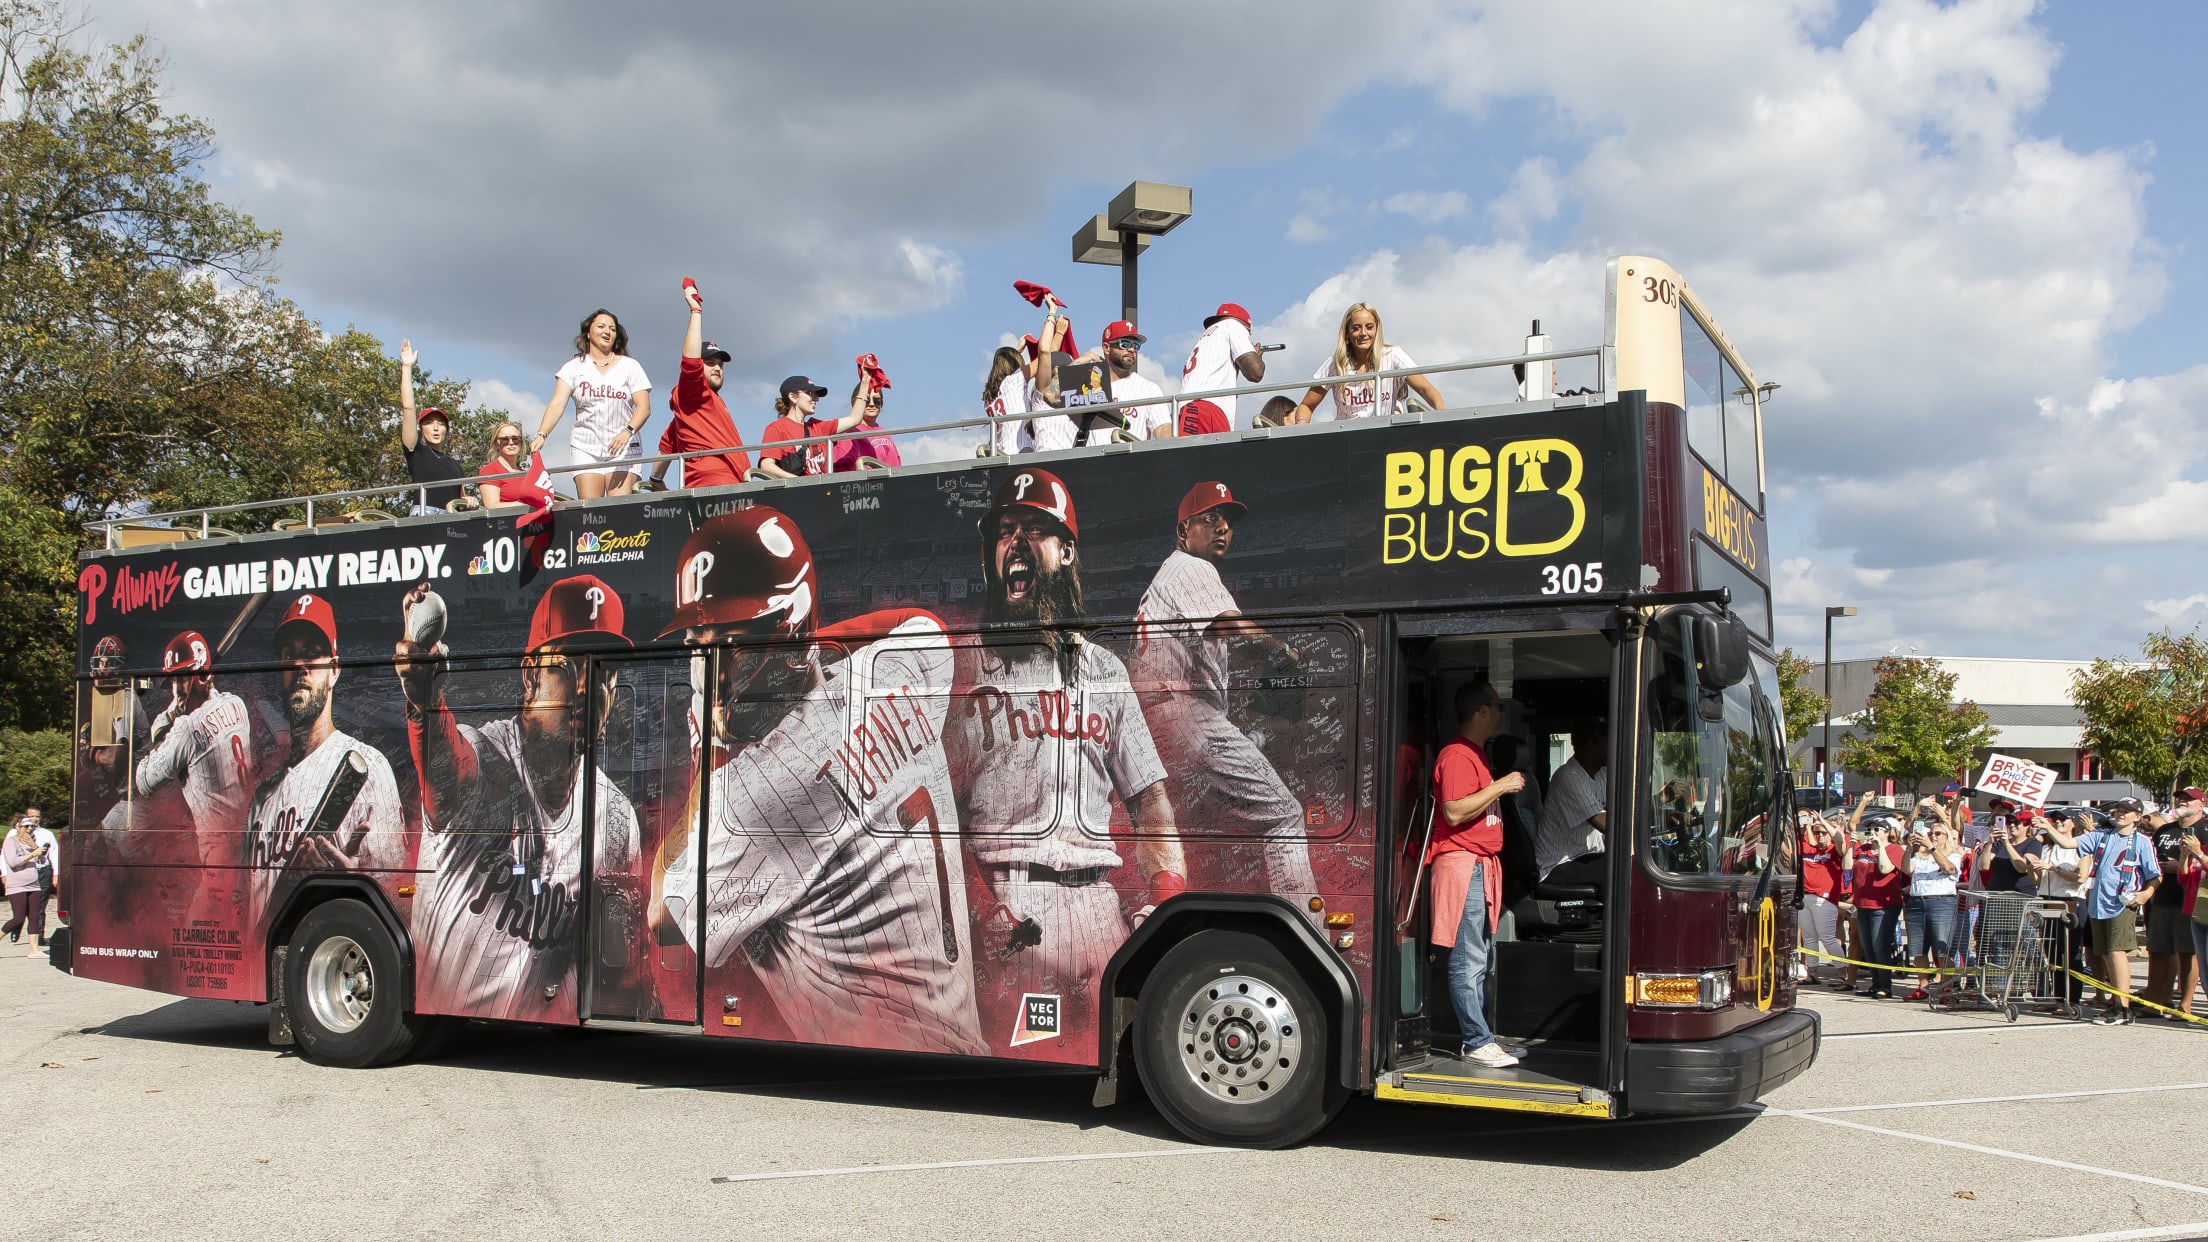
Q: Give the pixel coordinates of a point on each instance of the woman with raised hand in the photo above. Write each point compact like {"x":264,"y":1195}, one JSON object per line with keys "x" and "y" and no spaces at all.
{"x":612,"y":399}
{"x":1360,"y":349}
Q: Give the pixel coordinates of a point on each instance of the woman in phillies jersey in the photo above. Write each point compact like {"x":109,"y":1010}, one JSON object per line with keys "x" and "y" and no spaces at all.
{"x":612,"y":401}
{"x":1355,"y":347}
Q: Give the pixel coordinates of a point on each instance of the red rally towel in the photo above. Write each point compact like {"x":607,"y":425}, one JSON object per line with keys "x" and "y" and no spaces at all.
{"x":871,"y":366}
{"x":1034,"y":293}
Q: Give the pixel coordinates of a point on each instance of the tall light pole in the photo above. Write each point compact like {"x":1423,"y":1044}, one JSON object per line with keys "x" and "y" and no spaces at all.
{"x":1145,"y":209}
{"x":1824,"y":781}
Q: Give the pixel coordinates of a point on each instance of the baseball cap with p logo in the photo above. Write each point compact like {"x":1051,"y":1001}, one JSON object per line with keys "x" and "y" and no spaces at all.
{"x":579,"y":611}
{"x":311,"y":610}
{"x":187,"y":652}
{"x":1209,"y":495}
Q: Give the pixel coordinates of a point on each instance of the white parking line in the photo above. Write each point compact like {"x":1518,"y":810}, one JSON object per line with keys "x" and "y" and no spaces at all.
{"x":2198,"y":1229}
{"x":2141,"y":1178}
{"x":2001,"y":1099}
{"x":1157,"y":1153}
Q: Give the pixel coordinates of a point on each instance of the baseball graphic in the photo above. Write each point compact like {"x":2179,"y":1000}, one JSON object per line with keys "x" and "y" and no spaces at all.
{"x":425,"y":620}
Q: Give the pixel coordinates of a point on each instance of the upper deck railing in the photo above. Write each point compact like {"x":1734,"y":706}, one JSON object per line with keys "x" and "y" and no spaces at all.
{"x":204,"y":518}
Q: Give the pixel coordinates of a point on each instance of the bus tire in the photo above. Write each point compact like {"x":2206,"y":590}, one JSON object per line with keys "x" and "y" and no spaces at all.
{"x":342,"y":987}
{"x":1232,"y":1044}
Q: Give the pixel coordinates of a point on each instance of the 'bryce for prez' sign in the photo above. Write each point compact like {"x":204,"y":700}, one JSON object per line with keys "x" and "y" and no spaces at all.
{"x":2018,"y":780}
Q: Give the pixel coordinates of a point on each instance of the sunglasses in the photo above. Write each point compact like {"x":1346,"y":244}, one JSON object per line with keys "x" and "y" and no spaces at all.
{"x":1129,"y":344}
{"x":509,"y":440}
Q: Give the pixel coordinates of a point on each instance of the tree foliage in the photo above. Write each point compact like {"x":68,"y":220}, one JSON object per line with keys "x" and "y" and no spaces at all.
{"x":34,"y":771}
{"x":1802,"y":706}
{"x":1911,"y":728}
{"x":146,"y":361}
{"x":2147,"y":718}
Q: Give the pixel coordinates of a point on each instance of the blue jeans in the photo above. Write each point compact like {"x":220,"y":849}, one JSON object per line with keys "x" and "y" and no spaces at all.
{"x":1932,"y":926}
{"x":1877,"y":927}
{"x":1468,"y":964}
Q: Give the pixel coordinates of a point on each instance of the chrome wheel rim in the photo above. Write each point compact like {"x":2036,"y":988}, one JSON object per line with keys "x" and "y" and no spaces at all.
{"x":1241,"y":1040}
{"x":341,"y":985}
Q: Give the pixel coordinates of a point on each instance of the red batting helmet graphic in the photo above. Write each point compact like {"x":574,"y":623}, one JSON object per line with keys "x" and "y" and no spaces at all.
{"x":308,"y":610}
{"x":1040,"y":490}
{"x":579,"y":612}
{"x":188,"y":652}
{"x":750,"y":567}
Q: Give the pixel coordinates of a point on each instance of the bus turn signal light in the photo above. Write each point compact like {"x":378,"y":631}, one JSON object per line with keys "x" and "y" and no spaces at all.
{"x":1710,"y":989}
{"x":1341,"y":919}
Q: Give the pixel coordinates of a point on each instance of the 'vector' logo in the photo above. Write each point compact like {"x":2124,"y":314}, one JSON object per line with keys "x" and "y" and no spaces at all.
{"x":1460,"y":504}
{"x":1038,"y":1019}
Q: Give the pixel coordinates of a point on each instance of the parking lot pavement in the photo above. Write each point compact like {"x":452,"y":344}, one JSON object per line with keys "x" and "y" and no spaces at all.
{"x":150,"y":1115}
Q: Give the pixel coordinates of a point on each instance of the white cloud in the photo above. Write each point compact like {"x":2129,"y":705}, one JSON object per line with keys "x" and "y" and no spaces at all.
{"x":1305,"y":228}
{"x":1427,"y":206}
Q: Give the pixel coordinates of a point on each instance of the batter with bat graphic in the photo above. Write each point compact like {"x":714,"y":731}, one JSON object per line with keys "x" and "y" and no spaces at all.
{"x":334,"y":804}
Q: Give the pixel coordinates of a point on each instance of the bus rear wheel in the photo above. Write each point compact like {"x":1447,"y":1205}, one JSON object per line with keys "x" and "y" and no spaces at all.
{"x":341,"y":985}
{"x":1232,"y":1045}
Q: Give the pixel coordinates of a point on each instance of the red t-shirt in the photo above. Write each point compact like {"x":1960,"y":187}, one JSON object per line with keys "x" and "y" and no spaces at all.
{"x":787,"y":428}
{"x":702,"y":422}
{"x":1202,"y":420}
{"x":1879,"y":892}
{"x":532,"y":487}
{"x":1461,"y":771}
{"x":1821,"y":872}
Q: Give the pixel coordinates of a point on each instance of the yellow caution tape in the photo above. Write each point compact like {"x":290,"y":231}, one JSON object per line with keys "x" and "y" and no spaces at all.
{"x":2134,"y":999}
{"x":1939,"y":972}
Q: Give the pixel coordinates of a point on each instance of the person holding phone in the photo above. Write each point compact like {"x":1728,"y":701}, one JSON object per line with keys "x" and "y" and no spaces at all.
{"x":1881,"y":889}
{"x":2120,"y":874}
{"x":1934,"y":863}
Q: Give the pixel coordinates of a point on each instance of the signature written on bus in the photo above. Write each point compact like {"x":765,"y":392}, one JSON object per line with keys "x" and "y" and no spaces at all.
{"x":1462,"y":503}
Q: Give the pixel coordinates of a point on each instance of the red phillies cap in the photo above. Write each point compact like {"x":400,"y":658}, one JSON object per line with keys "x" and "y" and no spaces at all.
{"x":187,"y":651}
{"x":309,"y":610}
{"x":1035,"y":489}
{"x":1201,"y":417}
{"x":581,"y":611}
{"x":2191,"y":793}
{"x":1120,"y":330}
{"x":433,"y":412}
{"x":1229,"y":310}
{"x":1206,"y":496}
{"x":750,"y":567}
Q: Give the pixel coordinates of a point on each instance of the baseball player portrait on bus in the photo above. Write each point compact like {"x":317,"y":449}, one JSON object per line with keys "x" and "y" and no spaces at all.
{"x":1046,"y":732}
{"x":496,"y":921}
{"x":832,"y":858}
{"x":202,"y":746}
{"x":334,"y":803}
{"x":1185,"y":626}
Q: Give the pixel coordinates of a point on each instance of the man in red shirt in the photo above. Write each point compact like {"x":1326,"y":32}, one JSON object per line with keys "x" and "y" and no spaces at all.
{"x":1202,"y":418}
{"x":1466,"y":858}
{"x":701,"y":421}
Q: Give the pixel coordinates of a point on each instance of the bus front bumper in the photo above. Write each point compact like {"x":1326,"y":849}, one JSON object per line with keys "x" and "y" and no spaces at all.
{"x":1718,"y":1075}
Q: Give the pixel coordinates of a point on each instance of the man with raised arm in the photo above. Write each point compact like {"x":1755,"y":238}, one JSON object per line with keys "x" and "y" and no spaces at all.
{"x":701,"y":421}
{"x":422,"y":437}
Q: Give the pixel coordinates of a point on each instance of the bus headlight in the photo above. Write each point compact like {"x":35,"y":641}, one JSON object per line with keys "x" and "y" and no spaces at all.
{"x":1709,"y":989}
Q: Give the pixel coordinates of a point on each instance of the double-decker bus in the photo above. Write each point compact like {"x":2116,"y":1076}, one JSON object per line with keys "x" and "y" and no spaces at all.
{"x":1112,"y":758}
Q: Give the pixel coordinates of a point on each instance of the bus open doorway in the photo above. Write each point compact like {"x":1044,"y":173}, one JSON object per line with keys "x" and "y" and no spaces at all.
{"x":1550,"y":971}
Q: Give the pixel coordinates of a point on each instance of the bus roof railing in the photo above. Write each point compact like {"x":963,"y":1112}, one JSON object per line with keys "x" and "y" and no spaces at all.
{"x":205,"y":515}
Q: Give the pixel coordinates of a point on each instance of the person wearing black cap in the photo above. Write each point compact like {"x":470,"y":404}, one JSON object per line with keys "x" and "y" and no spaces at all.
{"x":422,"y":438}
{"x":2118,"y":869}
{"x":2172,"y":969}
{"x":701,"y":421}
{"x":795,"y":421}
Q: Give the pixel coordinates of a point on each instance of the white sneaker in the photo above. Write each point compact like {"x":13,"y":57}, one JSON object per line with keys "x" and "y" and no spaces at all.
{"x":1491,"y":1056}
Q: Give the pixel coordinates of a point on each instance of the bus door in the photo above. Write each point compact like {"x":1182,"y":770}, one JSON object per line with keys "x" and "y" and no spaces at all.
{"x":1410,"y":817}
{"x":643,"y":750}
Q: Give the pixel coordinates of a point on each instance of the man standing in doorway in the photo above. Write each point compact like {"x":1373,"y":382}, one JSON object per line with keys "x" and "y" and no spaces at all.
{"x":1466,"y":858}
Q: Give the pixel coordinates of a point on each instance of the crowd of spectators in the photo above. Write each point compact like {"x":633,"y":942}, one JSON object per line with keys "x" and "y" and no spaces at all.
{"x":1891,"y":892}
{"x":610,"y":394}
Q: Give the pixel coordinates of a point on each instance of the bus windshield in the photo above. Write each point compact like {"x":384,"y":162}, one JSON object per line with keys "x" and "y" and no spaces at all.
{"x":1710,"y":780}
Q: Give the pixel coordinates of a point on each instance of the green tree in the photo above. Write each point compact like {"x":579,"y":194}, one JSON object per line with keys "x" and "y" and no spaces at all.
{"x":34,"y":771}
{"x":146,"y":362}
{"x":1801,"y":707}
{"x":2147,"y":718}
{"x":1911,"y":728}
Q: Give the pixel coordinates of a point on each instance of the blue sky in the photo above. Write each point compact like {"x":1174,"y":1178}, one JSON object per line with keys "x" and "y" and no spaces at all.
{"x":1964,"y":236}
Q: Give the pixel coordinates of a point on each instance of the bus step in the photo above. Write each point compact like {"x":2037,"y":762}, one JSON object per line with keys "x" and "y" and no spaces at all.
{"x":1467,"y":1085}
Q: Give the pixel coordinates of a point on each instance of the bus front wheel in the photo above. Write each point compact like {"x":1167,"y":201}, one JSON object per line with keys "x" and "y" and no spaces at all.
{"x":341,"y":985}
{"x":1232,"y":1045}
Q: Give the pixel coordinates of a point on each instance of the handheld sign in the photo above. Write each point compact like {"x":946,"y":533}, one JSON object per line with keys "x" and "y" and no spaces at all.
{"x":2018,"y":780}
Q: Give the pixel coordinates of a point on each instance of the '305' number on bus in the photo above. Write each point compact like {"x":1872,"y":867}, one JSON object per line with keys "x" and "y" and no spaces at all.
{"x":1571,"y":579}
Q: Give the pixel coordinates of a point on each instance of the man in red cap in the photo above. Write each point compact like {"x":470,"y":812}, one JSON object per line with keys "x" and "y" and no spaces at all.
{"x":1120,"y":350}
{"x":2172,"y":968}
{"x":833,"y":858}
{"x":334,"y":803}
{"x":701,"y":420}
{"x":202,"y":742}
{"x":496,"y":922}
{"x":1187,"y":624}
{"x":1223,"y":352}
{"x":1046,"y":733}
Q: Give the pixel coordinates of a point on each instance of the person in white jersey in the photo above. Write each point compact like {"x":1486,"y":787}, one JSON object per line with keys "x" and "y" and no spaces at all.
{"x":1185,"y":626}
{"x":832,"y":859}
{"x":1120,"y":349}
{"x":334,"y":804}
{"x":496,"y":920}
{"x":612,"y":399}
{"x":203,"y":742}
{"x":1045,"y":733}
{"x":1354,"y":348}
{"x":1222,"y":353}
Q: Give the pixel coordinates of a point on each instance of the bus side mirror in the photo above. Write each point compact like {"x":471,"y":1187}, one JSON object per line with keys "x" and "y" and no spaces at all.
{"x":1721,"y":650}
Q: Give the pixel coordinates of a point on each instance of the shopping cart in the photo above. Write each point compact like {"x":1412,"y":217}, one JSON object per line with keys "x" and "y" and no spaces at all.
{"x":2010,"y":962}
